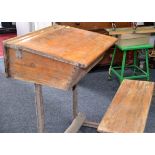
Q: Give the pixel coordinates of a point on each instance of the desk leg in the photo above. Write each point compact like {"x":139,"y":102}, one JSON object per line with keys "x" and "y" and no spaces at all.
{"x":74,"y":99}
{"x":79,"y":119}
{"x":39,"y":107}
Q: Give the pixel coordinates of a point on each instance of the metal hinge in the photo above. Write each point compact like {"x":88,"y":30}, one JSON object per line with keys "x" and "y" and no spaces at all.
{"x":18,"y":54}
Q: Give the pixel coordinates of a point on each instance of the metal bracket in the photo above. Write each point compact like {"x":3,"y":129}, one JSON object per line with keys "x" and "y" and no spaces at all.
{"x":113,"y":26}
{"x":18,"y":54}
{"x":134,"y":25}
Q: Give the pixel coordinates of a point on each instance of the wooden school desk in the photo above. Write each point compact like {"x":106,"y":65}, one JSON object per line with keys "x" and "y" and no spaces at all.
{"x":58,"y":57}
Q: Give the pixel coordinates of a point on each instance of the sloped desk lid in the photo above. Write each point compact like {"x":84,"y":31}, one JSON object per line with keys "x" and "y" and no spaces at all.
{"x":67,"y":44}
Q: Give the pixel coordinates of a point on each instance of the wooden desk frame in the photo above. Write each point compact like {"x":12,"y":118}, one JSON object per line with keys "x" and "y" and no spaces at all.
{"x":79,"y":119}
{"x":25,"y":59}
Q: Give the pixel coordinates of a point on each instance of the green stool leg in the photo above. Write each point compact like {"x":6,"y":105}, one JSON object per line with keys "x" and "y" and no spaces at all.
{"x":112,"y":61}
{"x":123,"y":66}
{"x":135,"y":61}
{"x":147,"y":64}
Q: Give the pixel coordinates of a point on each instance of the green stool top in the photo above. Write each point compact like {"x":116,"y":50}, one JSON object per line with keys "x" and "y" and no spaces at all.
{"x":135,"y":47}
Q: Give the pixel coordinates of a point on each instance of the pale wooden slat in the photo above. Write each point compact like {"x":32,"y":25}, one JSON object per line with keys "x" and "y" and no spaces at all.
{"x":129,"y":109}
{"x":76,"y":124}
{"x":130,"y":30}
{"x":90,"y":124}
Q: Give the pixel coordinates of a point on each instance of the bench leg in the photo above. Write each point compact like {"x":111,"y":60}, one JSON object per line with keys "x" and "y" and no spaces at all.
{"x":74,"y":100}
{"x":135,"y":61}
{"x":112,"y":61}
{"x":39,"y":107}
{"x":79,"y":119}
{"x":123,"y":66}
{"x":147,"y":64}
{"x":76,"y":124}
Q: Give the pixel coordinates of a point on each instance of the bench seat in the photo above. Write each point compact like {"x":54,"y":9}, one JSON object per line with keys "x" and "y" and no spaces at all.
{"x":129,"y":109}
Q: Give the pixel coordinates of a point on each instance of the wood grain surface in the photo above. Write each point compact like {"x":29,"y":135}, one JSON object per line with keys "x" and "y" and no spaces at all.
{"x":129,"y":108}
{"x":95,"y":25}
{"x":54,"y":56}
{"x":38,"y":69}
{"x":39,"y":108}
{"x":41,"y":70}
{"x":130,"y":30}
{"x":67,"y":44}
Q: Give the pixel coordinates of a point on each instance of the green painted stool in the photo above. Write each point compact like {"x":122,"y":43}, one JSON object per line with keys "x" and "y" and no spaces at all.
{"x":120,"y":70}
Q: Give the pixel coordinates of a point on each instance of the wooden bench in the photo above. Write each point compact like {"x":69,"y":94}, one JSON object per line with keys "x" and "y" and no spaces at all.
{"x":129,"y":109}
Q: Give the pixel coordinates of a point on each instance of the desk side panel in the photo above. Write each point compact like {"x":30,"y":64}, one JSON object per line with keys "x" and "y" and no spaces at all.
{"x":38,"y":69}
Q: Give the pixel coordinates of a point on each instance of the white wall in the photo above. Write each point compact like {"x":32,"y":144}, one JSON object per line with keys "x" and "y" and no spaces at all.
{"x":26,"y":27}
{"x":39,"y":25}
{"x":0,"y":25}
{"x":23,"y":27}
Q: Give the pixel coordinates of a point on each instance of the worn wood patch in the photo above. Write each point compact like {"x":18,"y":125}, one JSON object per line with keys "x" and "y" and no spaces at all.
{"x":129,"y":108}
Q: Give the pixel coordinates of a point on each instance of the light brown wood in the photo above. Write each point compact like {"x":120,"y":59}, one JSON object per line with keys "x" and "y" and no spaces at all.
{"x":56,"y":56}
{"x":133,"y":36}
{"x":39,"y":108}
{"x":67,"y":44}
{"x":76,"y":124}
{"x":95,"y":25}
{"x":146,"y":29}
{"x":130,"y":30}
{"x":133,"y":39}
{"x":38,"y":69}
{"x":129,"y":108}
{"x":75,"y":110}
